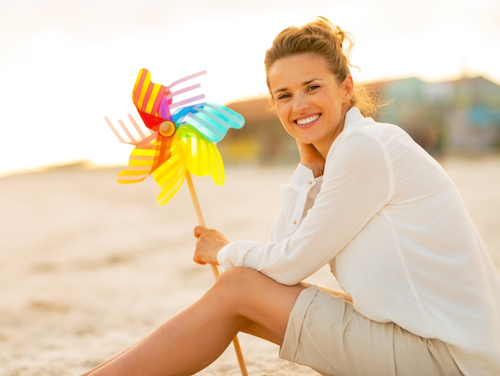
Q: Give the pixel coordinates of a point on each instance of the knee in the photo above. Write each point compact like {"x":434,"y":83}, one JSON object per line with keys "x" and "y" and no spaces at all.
{"x":237,"y":289}
{"x":238,"y":285}
{"x":237,"y":278}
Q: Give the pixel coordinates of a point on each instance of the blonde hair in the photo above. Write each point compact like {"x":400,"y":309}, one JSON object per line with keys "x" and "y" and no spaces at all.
{"x":322,"y":38}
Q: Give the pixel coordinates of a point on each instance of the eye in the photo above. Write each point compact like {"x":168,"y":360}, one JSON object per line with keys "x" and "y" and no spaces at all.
{"x":283,"y":96}
{"x":313,"y":87}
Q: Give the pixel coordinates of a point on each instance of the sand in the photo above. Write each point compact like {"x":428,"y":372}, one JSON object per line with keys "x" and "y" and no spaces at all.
{"x":88,"y":266}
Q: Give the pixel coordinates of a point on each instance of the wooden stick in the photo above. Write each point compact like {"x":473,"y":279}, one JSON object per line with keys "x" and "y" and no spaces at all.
{"x":215,"y":270}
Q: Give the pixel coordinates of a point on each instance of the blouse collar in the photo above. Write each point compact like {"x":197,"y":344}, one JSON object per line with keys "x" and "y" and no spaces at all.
{"x":352,"y":116}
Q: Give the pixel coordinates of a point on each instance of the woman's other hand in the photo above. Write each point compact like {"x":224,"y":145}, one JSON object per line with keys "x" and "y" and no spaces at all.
{"x":311,"y":158}
{"x":209,"y":242}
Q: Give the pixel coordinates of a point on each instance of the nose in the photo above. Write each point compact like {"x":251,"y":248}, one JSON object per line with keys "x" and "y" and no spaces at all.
{"x":300,"y":103}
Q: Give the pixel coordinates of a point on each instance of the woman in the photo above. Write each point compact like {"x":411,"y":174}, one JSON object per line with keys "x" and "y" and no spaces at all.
{"x":424,"y":296}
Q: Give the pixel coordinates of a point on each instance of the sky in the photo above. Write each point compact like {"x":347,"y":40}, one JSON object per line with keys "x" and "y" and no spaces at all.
{"x":65,"y":64}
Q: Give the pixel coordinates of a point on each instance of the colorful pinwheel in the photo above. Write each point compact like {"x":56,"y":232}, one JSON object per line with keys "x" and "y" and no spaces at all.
{"x":177,"y":141}
{"x":180,"y":140}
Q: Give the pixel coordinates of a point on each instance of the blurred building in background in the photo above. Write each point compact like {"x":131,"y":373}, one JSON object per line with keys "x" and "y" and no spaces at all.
{"x":262,"y":139}
{"x":451,"y":117}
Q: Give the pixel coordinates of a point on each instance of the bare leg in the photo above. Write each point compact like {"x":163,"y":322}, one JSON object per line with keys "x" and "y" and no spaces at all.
{"x":241,"y":300}
{"x":250,"y":327}
{"x":110,"y":360}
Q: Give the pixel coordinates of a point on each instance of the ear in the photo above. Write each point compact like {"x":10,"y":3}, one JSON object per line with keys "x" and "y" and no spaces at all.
{"x":348,"y":86}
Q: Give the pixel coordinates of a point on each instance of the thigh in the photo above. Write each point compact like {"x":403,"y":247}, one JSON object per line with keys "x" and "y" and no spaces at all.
{"x":415,"y":355}
{"x":327,"y":334}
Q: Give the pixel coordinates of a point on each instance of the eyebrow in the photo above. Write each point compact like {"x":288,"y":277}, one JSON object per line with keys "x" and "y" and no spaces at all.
{"x":303,"y":84}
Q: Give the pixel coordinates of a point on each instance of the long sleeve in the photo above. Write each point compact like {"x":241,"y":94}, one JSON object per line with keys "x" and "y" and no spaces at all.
{"x":356,"y":185}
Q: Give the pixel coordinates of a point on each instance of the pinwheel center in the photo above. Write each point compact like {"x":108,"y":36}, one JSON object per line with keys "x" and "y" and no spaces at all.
{"x":167,"y":128}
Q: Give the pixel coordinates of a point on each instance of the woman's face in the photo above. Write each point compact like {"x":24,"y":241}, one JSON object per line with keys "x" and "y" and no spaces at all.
{"x":310,"y":103}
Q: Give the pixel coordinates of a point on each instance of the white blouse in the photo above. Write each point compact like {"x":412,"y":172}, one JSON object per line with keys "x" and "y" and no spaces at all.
{"x":392,"y":226}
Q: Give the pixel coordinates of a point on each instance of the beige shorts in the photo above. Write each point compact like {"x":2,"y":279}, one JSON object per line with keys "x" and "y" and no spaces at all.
{"x":325,"y":333}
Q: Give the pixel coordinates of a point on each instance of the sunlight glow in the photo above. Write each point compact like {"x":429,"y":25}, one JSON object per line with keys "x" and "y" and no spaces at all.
{"x":58,"y":90}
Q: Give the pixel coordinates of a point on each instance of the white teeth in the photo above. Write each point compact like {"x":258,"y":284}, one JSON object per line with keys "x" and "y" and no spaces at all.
{"x":307,"y":120}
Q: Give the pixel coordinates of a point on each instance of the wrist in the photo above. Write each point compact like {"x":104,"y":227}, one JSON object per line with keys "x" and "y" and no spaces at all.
{"x":317,"y":172}
{"x":316,"y":168}
{"x":216,"y":253}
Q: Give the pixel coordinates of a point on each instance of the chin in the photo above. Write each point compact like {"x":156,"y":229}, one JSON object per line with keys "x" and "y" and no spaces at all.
{"x":306,"y":139}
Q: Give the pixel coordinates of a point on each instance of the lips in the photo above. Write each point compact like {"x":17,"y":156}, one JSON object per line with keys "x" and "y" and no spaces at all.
{"x":307,"y":121}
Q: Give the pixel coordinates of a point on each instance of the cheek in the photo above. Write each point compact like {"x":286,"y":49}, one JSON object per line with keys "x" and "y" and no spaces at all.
{"x":282,"y":114}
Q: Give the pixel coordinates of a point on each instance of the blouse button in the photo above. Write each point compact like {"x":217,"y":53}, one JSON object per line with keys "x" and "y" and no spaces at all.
{"x":294,"y":222}
{"x":310,"y":182}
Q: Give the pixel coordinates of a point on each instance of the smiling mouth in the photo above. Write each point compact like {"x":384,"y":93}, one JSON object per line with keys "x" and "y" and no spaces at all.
{"x":307,"y":120}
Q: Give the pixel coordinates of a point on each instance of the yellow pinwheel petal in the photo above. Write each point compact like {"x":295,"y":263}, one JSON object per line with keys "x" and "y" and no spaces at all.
{"x":170,"y":175}
{"x":202,"y":156}
{"x":140,"y":164}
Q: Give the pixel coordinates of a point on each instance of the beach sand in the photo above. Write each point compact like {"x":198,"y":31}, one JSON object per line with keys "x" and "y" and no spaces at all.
{"x":88,"y":266}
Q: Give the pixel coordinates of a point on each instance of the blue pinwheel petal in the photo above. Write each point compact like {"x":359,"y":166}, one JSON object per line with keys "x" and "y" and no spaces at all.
{"x":212,"y":120}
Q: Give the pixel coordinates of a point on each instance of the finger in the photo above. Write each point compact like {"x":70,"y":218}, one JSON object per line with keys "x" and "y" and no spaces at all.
{"x":199,"y":262}
{"x":198,"y":230}
{"x":197,"y":259}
